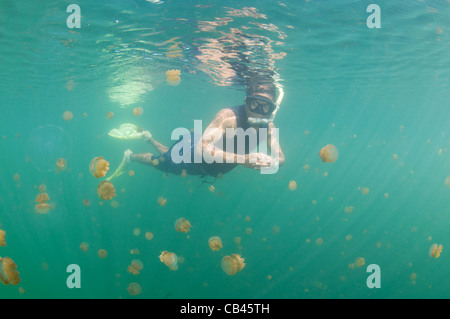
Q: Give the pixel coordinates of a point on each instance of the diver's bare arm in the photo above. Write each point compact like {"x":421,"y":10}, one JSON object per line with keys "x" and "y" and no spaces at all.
{"x":161,"y":148}
{"x":223,"y":120}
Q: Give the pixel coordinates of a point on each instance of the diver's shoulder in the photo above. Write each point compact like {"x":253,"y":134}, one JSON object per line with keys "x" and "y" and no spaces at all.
{"x":228,"y":111}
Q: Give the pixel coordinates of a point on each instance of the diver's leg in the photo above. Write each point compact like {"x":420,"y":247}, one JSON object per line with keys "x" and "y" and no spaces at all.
{"x":144,"y":158}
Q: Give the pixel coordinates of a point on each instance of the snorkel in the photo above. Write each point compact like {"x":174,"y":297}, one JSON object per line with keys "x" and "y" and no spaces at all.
{"x":259,"y":121}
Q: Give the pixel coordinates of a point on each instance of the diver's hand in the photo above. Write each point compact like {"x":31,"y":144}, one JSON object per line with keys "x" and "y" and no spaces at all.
{"x":257,"y":160}
{"x":146,"y":135}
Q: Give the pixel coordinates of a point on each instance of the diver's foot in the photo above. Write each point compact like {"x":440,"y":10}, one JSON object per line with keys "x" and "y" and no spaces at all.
{"x":146,"y":135}
{"x":122,"y":166}
{"x":127,"y":156}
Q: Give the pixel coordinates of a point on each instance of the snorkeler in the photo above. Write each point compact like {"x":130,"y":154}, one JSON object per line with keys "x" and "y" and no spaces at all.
{"x":258,"y":111}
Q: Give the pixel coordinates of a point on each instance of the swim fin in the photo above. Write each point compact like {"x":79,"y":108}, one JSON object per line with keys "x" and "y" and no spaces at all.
{"x":128,"y":131}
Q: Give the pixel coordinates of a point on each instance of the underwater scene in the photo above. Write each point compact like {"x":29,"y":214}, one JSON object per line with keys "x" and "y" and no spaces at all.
{"x":286,"y":149}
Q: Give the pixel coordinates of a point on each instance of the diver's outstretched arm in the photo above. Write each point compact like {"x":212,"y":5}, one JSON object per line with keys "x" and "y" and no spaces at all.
{"x":159,"y":147}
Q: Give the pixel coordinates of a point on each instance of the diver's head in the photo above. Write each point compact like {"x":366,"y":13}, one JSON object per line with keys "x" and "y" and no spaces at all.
{"x":260,"y":100}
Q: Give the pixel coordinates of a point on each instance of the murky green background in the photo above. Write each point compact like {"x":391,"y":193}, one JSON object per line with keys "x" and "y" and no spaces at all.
{"x":371,"y":92}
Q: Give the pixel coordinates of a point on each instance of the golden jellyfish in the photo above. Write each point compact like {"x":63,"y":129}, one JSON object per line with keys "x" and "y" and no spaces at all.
{"x":149,"y":235}
{"x":136,"y":231}
{"x":134,"y":289}
{"x":215,"y":243}
{"x":42,"y":198}
{"x":292,"y":185}
{"x":359,"y":262}
{"x":162,"y":201}
{"x":132,"y":270}
{"x":135,"y":267}
{"x":67,"y":115}
{"x":99,"y":167}
{"x":329,"y":153}
{"x":169,"y":259}
{"x":173,"y":77}
{"x":109,"y":115}
{"x":137,"y":264}
{"x":182,"y":225}
{"x":86,"y":202}
{"x":2,"y":238}
{"x":84,"y":246}
{"x":435,"y":251}
{"x":8,"y":271}
{"x":102,"y":253}
{"x":61,"y":164}
{"x":106,"y":190}
{"x":138,"y":111}
{"x":114,"y":204}
{"x":232,"y":264}
{"x":42,"y":207}
{"x":447,"y":181}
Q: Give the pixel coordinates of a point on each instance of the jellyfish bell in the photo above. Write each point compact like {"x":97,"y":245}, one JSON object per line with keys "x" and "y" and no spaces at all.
{"x":134,"y":289}
{"x":162,"y":201}
{"x":232,"y":264}
{"x":106,"y":190}
{"x":435,"y":251}
{"x":42,"y":198}
{"x":2,"y":238}
{"x":109,"y":115}
{"x":182,"y":225}
{"x":229,"y":265}
{"x":99,"y":167}
{"x":133,"y":270}
{"x":136,"y":266}
{"x":84,"y":246}
{"x":329,"y":153}
{"x":46,"y":145}
{"x":215,"y":243}
{"x":86,"y":202}
{"x":8,"y":271}
{"x":292,"y":185}
{"x":169,"y":259}
{"x":61,"y":164}
{"x":67,"y":115}
{"x":102,"y":253}
{"x":138,"y":111}
{"x":149,"y":235}
{"x":173,"y":77}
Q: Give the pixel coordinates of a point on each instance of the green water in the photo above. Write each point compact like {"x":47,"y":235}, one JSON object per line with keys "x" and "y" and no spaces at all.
{"x":372,"y":93}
